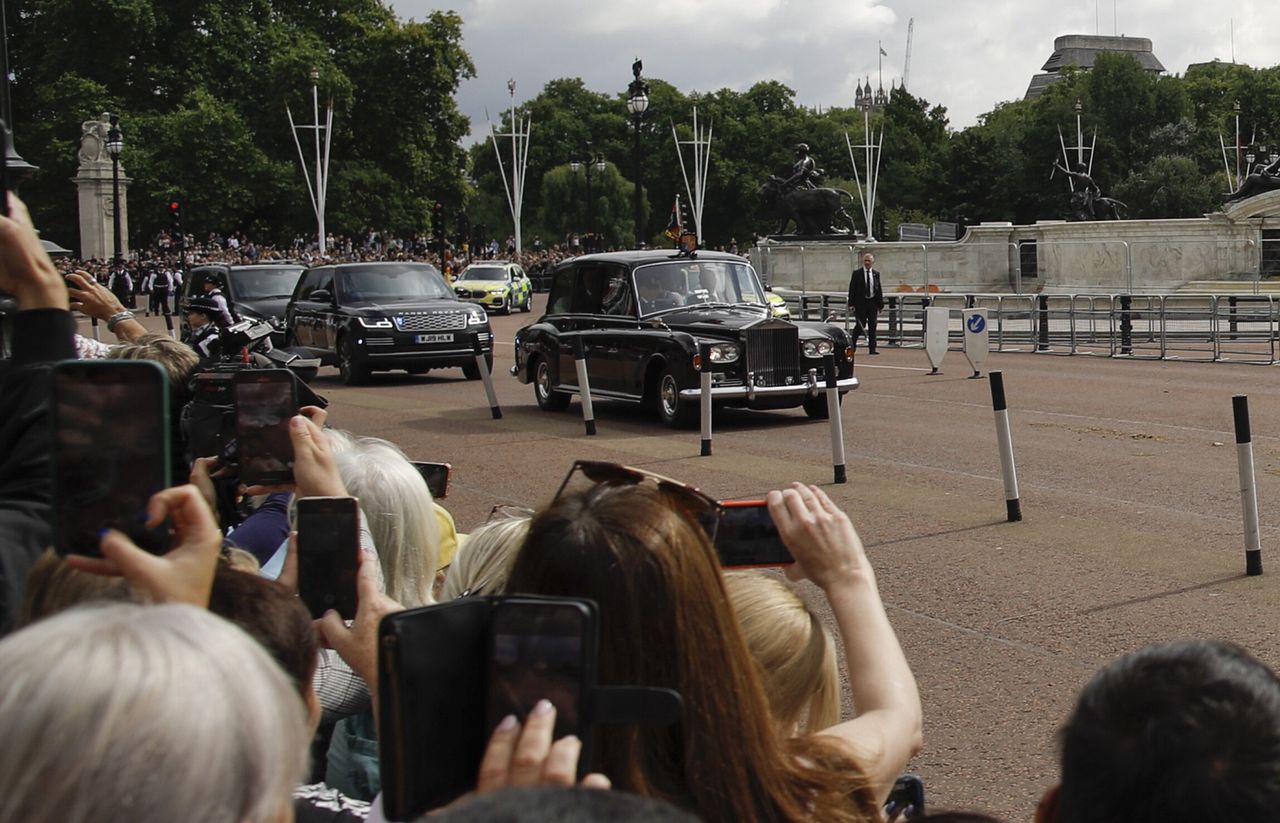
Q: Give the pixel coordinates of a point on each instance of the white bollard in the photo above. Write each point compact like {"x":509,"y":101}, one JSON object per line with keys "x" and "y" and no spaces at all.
{"x":584,"y":386}
{"x":1248,"y":491}
{"x":837,"y":423}
{"x":487,"y":379}
{"x":1012,"y":502}
{"x":704,"y":355}
{"x":936,"y":320}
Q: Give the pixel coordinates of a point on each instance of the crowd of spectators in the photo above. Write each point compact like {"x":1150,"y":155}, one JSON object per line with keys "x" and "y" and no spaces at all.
{"x":193,"y":684}
{"x":167,"y":254}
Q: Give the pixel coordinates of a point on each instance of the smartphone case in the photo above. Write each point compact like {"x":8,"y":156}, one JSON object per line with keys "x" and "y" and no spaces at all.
{"x":433,"y":666}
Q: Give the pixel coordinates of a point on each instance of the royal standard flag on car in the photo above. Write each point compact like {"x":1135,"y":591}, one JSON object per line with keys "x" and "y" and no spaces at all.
{"x":674,"y":225}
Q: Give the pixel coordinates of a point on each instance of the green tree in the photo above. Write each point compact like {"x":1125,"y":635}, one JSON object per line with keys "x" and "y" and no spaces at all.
{"x":200,"y":88}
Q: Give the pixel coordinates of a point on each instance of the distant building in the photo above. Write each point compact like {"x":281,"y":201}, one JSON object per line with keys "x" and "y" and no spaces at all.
{"x":1081,"y":50}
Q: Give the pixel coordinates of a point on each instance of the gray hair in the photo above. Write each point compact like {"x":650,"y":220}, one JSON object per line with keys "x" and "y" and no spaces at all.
{"x":398,"y":507}
{"x":484,"y":559}
{"x":150,"y":714}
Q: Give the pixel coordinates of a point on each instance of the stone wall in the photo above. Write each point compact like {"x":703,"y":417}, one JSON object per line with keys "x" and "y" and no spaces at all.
{"x":1152,"y":256}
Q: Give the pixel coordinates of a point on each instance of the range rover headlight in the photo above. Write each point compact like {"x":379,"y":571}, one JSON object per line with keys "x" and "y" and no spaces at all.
{"x":818,"y":348}
{"x":724,"y":352}
{"x":375,"y":322}
{"x":476,"y":318}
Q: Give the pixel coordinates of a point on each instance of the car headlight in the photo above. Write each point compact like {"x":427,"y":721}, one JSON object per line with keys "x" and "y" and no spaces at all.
{"x":476,"y":318}
{"x":724,"y":352}
{"x":375,"y":322}
{"x":818,"y":348}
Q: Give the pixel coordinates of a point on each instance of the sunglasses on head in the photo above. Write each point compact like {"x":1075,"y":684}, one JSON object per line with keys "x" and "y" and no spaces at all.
{"x":702,"y":507}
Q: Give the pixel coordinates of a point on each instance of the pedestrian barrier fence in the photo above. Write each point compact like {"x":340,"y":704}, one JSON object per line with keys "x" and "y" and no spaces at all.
{"x":1196,"y":327}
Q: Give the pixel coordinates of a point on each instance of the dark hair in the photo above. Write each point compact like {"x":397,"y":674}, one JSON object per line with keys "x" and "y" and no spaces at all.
{"x":666,"y":621}
{"x":271,"y":615}
{"x":1188,"y":730}
{"x":547,"y":804}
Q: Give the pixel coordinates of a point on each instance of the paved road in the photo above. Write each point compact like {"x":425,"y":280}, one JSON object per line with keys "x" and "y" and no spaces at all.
{"x":1129,"y":485}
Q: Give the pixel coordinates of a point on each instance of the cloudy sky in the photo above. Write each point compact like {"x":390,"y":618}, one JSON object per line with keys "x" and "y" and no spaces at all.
{"x":967,"y":55}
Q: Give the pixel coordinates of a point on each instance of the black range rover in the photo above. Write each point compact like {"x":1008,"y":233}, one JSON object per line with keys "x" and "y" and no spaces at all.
{"x":642,"y":317}
{"x":369,"y":317}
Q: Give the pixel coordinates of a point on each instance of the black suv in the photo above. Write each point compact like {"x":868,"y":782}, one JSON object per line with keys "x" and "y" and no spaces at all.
{"x":642,"y":318}
{"x":369,"y":317}
{"x":256,"y":292}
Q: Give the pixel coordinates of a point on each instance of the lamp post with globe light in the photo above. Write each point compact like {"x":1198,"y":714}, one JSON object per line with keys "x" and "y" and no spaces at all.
{"x":115,"y":145}
{"x":637,"y":105}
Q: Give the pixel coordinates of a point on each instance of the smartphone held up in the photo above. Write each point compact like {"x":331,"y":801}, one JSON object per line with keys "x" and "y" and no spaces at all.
{"x":747,"y":537}
{"x":265,"y":401}
{"x":110,"y":452}
{"x":328,"y":554}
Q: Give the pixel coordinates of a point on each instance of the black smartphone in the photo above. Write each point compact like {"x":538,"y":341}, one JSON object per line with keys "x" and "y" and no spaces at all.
{"x":265,"y":401}
{"x":436,"y":475}
{"x":906,"y":798}
{"x":747,"y":536}
{"x":328,"y":554}
{"x":110,"y":451}
{"x":542,"y":650}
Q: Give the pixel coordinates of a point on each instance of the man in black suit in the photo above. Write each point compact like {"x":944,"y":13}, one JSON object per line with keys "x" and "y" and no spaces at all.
{"x":866,"y":299}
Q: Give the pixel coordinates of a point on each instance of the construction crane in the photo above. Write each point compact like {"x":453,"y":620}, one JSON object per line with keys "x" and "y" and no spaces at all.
{"x":906,"y":63}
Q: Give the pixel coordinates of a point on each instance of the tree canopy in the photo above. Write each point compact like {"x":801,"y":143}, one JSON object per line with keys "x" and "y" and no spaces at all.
{"x":201,"y":89}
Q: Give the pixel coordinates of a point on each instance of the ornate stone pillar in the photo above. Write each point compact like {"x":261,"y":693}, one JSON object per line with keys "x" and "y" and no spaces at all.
{"x":93,"y":184}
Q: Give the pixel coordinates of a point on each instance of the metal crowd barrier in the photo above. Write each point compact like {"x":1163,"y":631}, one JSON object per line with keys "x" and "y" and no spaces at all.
{"x":1196,"y":327}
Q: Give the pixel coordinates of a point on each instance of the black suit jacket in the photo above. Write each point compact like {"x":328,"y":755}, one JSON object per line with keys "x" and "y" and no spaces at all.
{"x":858,"y":290}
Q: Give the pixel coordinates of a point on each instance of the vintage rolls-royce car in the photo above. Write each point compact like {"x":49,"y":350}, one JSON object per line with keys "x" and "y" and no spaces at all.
{"x":642,"y":317}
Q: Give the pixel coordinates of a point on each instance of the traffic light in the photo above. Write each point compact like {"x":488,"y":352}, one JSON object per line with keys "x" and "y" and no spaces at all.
{"x":175,"y":215}
{"x":437,"y":224}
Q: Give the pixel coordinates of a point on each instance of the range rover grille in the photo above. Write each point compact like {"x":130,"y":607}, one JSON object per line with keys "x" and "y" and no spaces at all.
{"x":434,"y":321}
{"x":774,"y":355}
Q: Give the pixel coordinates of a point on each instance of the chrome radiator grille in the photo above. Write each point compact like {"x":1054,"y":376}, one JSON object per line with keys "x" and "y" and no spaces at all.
{"x":433,"y":321}
{"x":774,"y":355}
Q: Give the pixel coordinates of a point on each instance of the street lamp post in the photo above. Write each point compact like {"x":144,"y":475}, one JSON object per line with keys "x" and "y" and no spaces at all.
{"x":589,"y":160}
{"x":637,"y":105}
{"x":115,"y":145}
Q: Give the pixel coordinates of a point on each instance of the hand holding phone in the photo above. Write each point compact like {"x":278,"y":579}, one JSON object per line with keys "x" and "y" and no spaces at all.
{"x":184,"y":574}
{"x":436,"y":476}
{"x":821,"y":536}
{"x":328,"y":554}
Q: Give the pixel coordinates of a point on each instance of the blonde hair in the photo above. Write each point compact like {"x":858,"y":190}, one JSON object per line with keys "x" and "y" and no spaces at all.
{"x":401,"y":515}
{"x":483,"y":561}
{"x":150,"y":714}
{"x":793,"y":650}
{"x":177,"y":359}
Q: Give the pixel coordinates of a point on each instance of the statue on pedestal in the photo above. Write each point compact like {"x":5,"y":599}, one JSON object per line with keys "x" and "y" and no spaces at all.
{"x":93,"y":139}
{"x":1087,"y":201}
{"x":800,"y":198}
{"x":1263,"y":179}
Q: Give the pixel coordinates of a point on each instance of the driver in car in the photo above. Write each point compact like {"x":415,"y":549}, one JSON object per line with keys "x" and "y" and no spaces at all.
{"x":655,"y":295}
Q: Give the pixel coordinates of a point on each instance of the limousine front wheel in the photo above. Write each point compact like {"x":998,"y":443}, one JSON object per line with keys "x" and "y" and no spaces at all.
{"x":674,"y":412}
{"x":548,"y":398}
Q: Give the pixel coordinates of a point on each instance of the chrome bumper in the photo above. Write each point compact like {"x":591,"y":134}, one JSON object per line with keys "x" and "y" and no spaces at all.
{"x":811,"y":387}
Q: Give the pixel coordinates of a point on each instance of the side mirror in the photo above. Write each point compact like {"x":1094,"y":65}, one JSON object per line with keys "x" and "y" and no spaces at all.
{"x":321,"y":296}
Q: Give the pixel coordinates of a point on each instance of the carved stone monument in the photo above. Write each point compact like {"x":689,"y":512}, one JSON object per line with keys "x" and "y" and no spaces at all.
{"x":93,"y":183}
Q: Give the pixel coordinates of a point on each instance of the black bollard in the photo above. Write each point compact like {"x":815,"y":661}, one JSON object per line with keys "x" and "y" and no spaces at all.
{"x":704,"y":358}
{"x":1043,"y":344}
{"x":1126,"y":324}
